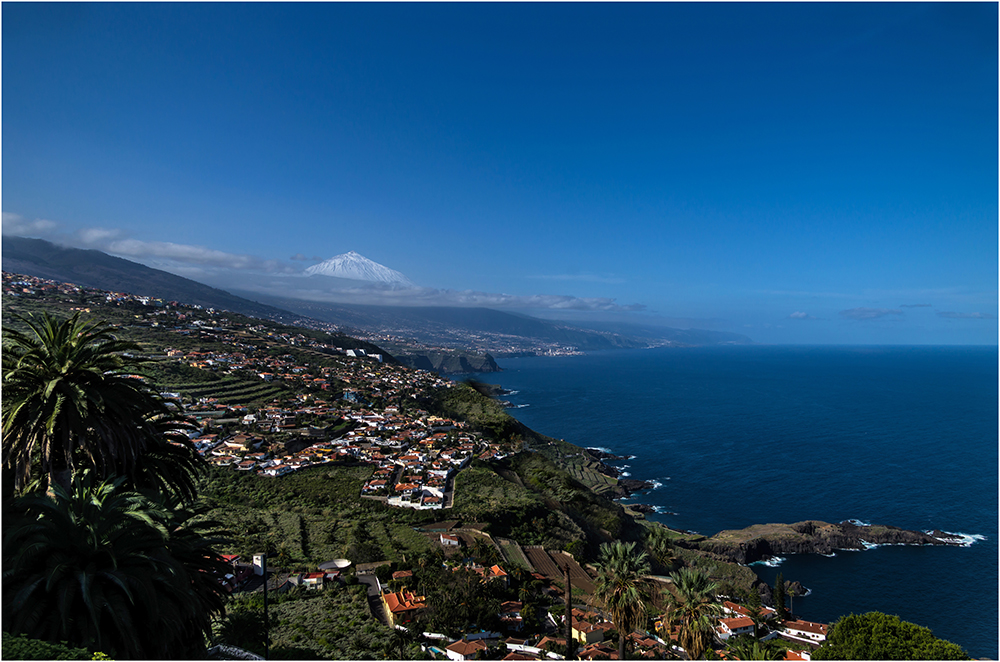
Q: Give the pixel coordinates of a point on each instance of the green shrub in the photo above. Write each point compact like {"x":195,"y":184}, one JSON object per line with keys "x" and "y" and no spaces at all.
{"x":20,"y":647}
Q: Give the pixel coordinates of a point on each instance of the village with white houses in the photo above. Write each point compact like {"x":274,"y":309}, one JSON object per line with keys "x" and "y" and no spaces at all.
{"x":415,"y":454}
{"x":415,"y":458}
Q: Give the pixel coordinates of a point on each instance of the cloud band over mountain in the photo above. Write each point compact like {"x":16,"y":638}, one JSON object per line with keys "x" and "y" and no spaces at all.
{"x":284,"y":278}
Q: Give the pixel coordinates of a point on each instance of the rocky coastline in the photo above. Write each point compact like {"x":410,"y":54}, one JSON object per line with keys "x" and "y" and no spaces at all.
{"x":765,"y":541}
{"x":626,"y":486}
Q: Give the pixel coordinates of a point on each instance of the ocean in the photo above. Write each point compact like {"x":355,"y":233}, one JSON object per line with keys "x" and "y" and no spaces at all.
{"x":741,"y":435}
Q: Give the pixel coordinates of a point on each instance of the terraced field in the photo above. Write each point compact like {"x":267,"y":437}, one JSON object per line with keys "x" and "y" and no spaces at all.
{"x":549,"y":564}
{"x":542,"y":562}
{"x":230,"y":391}
{"x":592,"y":478}
{"x":513,"y":554}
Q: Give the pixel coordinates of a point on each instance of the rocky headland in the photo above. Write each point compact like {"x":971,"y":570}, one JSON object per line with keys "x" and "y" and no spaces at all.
{"x":449,"y":361}
{"x":763,"y":541}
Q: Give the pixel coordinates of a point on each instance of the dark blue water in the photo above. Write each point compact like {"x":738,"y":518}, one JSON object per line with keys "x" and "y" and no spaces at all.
{"x":736,"y":436}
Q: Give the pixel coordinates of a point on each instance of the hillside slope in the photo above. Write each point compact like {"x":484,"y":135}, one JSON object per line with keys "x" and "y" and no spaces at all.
{"x":89,"y":268}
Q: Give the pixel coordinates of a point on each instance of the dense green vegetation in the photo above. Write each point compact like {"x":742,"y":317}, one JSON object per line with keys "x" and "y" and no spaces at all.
{"x":878,"y":636}
{"x":334,"y":623}
{"x":315,"y":515}
{"x":485,"y":414}
{"x":21,"y":647}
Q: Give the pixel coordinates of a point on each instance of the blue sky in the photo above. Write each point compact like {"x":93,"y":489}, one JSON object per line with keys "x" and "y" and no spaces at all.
{"x":804,"y":173}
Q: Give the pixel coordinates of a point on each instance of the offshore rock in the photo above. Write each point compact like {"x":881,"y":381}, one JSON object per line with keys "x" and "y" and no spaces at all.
{"x":763,"y":541}
{"x":632,"y":485}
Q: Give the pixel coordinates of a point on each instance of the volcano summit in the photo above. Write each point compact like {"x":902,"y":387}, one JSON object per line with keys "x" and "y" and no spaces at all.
{"x":354,"y":266}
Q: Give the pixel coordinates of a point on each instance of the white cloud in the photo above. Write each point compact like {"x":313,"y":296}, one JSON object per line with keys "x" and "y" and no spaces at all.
{"x":868,"y":313}
{"x":15,"y":224}
{"x":98,"y":236}
{"x":797,"y":315}
{"x":381,"y":294}
{"x":194,"y":255}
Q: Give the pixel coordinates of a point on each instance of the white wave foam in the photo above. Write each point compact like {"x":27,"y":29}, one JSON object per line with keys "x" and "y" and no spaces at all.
{"x":656,"y":484}
{"x":600,"y":448}
{"x":625,"y":474}
{"x":521,"y":406}
{"x":772,"y":562}
{"x":662,"y":510}
{"x":963,"y":539}
{"x":830,"y":555}
{"x":630,"y":457}
{"x":857,"y":522}
{"x":512,"y":392}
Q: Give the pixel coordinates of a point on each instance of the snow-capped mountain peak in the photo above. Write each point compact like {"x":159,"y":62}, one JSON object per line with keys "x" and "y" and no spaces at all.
{"x":354,"y":266}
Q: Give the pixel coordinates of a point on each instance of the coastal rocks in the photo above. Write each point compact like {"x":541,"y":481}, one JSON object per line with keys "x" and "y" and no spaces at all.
{"x":795,"y":589}
{"x":763,"y":541}
{"x":632,"y":485}
{"x":598,"y":454}
{"x":626,"y":486}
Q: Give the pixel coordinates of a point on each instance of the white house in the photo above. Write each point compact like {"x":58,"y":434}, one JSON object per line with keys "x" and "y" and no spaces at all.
{"x":806,"y":631}
{"x":464,"y":650}
{"x":732,"y":627}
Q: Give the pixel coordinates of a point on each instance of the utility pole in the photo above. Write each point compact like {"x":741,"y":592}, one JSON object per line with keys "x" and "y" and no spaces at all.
{"x":267,"y":624}
{"x":570,"y":642}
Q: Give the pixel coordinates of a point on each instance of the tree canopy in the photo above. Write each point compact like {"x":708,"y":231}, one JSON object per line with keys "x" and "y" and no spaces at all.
{"x":878,"y":636}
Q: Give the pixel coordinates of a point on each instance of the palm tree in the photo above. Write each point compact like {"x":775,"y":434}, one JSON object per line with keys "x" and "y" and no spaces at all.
{"x":619,"y":587}
{"x":748,"y":648}
{"x":72,"y":401}
{"x":484,"y":551}
{"x":111,"y":570}
{"x":397,"y":644}
{"x":661,"y":547}
{"x":691,"y":606}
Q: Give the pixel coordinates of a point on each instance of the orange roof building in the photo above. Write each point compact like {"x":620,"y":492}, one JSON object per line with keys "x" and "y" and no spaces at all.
{"x":400,"y":607}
